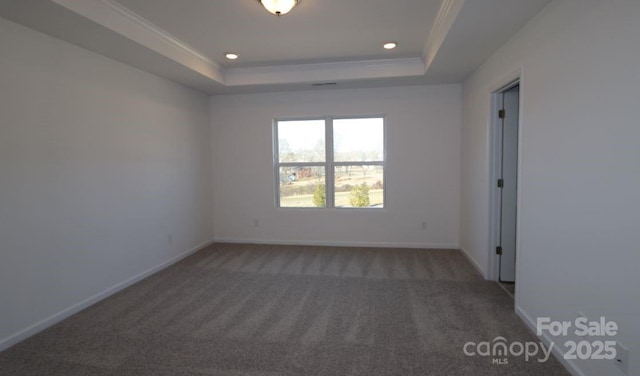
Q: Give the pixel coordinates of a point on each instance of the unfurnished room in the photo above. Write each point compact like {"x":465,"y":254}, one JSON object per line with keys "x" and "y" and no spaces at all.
{"x":320,"y":187}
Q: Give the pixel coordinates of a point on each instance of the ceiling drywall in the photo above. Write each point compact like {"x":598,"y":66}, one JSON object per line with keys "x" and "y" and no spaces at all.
{"x":315,"y":31}
{"x":439,"y":41}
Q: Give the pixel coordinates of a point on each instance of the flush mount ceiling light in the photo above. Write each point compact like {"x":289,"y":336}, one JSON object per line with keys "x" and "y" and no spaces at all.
{"x":231,"y":56}
{"x":279,"y":7}
{"x":390,"y":45}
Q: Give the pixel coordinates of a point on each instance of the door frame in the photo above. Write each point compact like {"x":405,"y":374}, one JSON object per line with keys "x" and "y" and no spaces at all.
{"x":515,"y":78}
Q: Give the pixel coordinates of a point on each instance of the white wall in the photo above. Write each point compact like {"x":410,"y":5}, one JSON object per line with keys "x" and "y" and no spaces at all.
{"x":580,"y":175}
{"x":99,"y":164}
{"x":422,"y":176}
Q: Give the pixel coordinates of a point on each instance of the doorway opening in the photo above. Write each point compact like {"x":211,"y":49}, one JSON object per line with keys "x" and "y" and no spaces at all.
{"x":505,"y":134}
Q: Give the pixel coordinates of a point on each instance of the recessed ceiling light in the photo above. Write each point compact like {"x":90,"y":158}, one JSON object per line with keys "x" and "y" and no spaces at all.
{"x":390,"y":45}
{"x":231,"y":56}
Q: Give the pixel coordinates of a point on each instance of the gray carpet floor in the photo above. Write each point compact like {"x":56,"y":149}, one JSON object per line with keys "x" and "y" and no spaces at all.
{"x":257,"y":310}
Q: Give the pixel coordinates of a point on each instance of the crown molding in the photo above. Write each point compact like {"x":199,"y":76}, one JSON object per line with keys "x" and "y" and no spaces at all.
{"x":124,"y":22}
{"x":127,"y":23}
{"x":320,"y":72}
{"x":447,"y":15}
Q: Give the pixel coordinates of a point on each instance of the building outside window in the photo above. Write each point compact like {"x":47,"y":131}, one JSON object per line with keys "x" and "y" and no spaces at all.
{"x":332,"y":162}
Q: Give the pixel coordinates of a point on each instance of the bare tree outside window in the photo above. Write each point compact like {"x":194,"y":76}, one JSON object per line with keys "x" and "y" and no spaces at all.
{"x":330,"y":163}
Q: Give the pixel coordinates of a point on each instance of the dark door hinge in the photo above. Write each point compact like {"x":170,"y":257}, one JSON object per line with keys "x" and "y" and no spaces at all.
{"x":502,"y":114}
{"x":500,"y":183}
{"x":498,"y":250}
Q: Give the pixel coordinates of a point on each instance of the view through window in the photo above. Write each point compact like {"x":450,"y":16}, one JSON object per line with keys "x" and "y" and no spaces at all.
{"x":330,"y":163}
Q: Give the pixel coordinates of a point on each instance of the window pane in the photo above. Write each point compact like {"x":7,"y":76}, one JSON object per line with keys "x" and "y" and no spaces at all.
{"x":302,"y":187}
{"x":301,"y":141}
{"x":359,"y":186}
{"x":357,"y":140}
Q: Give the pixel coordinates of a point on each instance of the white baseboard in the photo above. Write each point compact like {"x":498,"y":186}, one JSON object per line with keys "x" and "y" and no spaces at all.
{"x":341,"y":244}
{"x":571,"y":366}
{"x":23,"y":334}
{"x":474,"y":263}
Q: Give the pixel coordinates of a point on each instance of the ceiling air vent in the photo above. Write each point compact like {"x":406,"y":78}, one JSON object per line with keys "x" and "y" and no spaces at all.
{"x":324,"y":84}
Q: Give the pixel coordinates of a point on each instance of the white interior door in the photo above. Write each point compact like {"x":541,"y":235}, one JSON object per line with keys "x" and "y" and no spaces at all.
{"x":509,"y":176}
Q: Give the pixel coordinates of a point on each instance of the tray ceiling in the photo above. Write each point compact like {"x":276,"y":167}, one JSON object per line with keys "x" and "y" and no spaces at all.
{"x":439,"y":41}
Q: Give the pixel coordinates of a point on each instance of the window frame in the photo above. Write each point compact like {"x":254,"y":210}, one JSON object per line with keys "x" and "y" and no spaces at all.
{"x":329,"y":163}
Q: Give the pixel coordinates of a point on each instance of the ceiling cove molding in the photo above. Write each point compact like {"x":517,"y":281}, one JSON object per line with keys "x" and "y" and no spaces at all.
{"x":125,"y":22}
{"x":444,"y":21}
{"x":334,"y":71}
